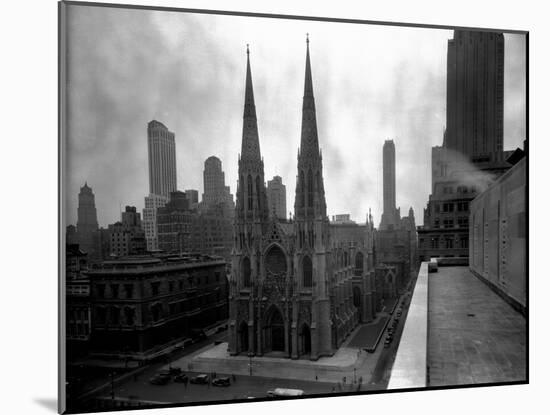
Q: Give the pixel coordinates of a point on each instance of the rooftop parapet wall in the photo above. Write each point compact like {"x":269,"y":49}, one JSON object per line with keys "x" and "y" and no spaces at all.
{"x":409,"y":369}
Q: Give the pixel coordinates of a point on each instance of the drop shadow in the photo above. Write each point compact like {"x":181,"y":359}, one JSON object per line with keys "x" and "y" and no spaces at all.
{"x":48,"y":403}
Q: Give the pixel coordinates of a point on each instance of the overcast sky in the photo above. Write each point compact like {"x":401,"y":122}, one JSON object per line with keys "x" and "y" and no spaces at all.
{"x":371,"y":83}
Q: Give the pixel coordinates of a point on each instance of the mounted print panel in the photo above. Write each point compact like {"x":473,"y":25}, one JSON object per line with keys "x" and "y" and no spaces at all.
{"x":231,"y":195}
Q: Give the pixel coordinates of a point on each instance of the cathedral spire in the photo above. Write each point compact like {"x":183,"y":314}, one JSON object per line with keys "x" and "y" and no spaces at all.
{"x":310,"y":194}
{"x":250,"y":144}
{"x":309,"y":138}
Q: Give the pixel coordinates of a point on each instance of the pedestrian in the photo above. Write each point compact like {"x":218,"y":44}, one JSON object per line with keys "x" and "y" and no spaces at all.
{"x":214,"y":375}
{"x":344,"y":380}
{"x":316,"y":378}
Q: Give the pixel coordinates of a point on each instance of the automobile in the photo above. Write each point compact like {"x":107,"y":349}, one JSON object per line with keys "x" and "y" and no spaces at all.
{"x":181,"y":378}
{"x":174,"y":370}
{"x":200,"y":379}
{"x":386,"y":345}
{"x":284,"y":392}
{"x":159,"y":379}
{"x":390,"y":329}
{"x":221,"y":382}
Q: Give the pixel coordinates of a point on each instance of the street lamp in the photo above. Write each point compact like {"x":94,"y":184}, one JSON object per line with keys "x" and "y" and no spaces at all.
{"x":250,"y":354}
{"x":354,"y":375}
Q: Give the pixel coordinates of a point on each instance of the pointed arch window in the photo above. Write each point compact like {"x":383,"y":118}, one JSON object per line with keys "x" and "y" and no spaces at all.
{"x":309,"y":188}
{"x":249,"y":195}
{"x":307,"y":270}
{"x":258,"y":186}
{"x":245,"y":271}
{"x":302,"y":190}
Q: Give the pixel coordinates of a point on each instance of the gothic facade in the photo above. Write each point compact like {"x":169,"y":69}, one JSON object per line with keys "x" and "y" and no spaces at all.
{"x":297,"y":288}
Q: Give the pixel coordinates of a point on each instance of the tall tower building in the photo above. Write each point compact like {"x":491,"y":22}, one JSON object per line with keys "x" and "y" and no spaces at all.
{"x":391,"y":215}
{"x":214,"y":181}
{"x":475,"y":94}
{"x":472,"y":155}
{"x":161,"y":147}
{"x":276,"y":197}
{"x":162,"y":159}
{"x":86,"y":226}
{"x":216,"y":193}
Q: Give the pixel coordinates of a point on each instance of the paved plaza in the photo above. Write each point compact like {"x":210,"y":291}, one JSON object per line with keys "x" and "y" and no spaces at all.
{"x":474,"y":336}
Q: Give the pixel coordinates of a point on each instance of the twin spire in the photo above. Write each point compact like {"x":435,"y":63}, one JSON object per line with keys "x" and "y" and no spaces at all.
{"x":250,"y":148}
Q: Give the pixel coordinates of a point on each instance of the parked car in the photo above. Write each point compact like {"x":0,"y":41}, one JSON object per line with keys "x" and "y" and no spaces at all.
{"x":386,"y":345}
{"x":159,"y":379}
{"x":200,"y":379}
{"x":174,"y":370}
{"x":181,"y":378}
{"x":221,"y":382}
{"x":284,"y":392}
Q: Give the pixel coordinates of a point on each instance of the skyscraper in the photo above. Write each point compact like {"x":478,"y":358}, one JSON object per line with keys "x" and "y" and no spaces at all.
{"x":86,"y":226}
{"x":391,"y":215}
{"x":161,"y":147}
{"x":162,"y":159}
{"x":216,"y":194}
{"x":276,"y":197}
{"x":475,"y":94}
{"x":471,"y":156}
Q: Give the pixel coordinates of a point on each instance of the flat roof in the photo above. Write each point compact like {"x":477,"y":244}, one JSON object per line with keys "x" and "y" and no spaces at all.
{"x":474,"y":336}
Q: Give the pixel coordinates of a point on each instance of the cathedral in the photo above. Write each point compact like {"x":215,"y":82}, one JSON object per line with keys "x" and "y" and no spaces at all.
{"x":297,"y":288}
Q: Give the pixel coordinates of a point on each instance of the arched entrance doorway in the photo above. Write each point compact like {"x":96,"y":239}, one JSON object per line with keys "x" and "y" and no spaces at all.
{"x":275,"y":331}
{"x":305,"y":340}
{"x":243,"y":337}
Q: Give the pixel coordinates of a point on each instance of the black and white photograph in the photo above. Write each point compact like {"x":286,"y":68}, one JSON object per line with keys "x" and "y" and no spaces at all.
{"x":262,"y":207}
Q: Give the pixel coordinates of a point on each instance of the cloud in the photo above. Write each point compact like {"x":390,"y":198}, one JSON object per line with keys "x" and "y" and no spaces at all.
{"x":127,"y":67}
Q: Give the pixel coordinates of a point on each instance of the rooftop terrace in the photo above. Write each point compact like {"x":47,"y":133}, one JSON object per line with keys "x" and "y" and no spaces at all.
{"x":471,"y":335}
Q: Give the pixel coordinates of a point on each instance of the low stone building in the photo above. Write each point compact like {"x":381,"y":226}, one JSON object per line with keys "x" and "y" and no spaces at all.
{"x":141,"y":305}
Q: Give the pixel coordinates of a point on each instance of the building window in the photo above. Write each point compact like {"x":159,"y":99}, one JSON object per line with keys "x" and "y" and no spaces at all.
{"x":115,"y":315}
{"x":155,"y":288}
{"x":156,"y":310}
{"x":307,"y":270}
{"x":448,"y":207}
{"x":101,"y":290}
{"x":101,"y":314}
{"x":436,"y":207}
{"x":447,"y":189}
{"x":249,"y":188}
{"x":114,"y":290}
{"x":436,"y":223}
{"x":245,"y":270}
{"x":449,"y":243}
{"x":464,"y":242}
{"x":462,"y":206}
{"x":129,"y":288}
{"x":129,"y":314}
{"x":448,"y":223}
{"x":463,"y":222}
{"x":462,"y":189}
